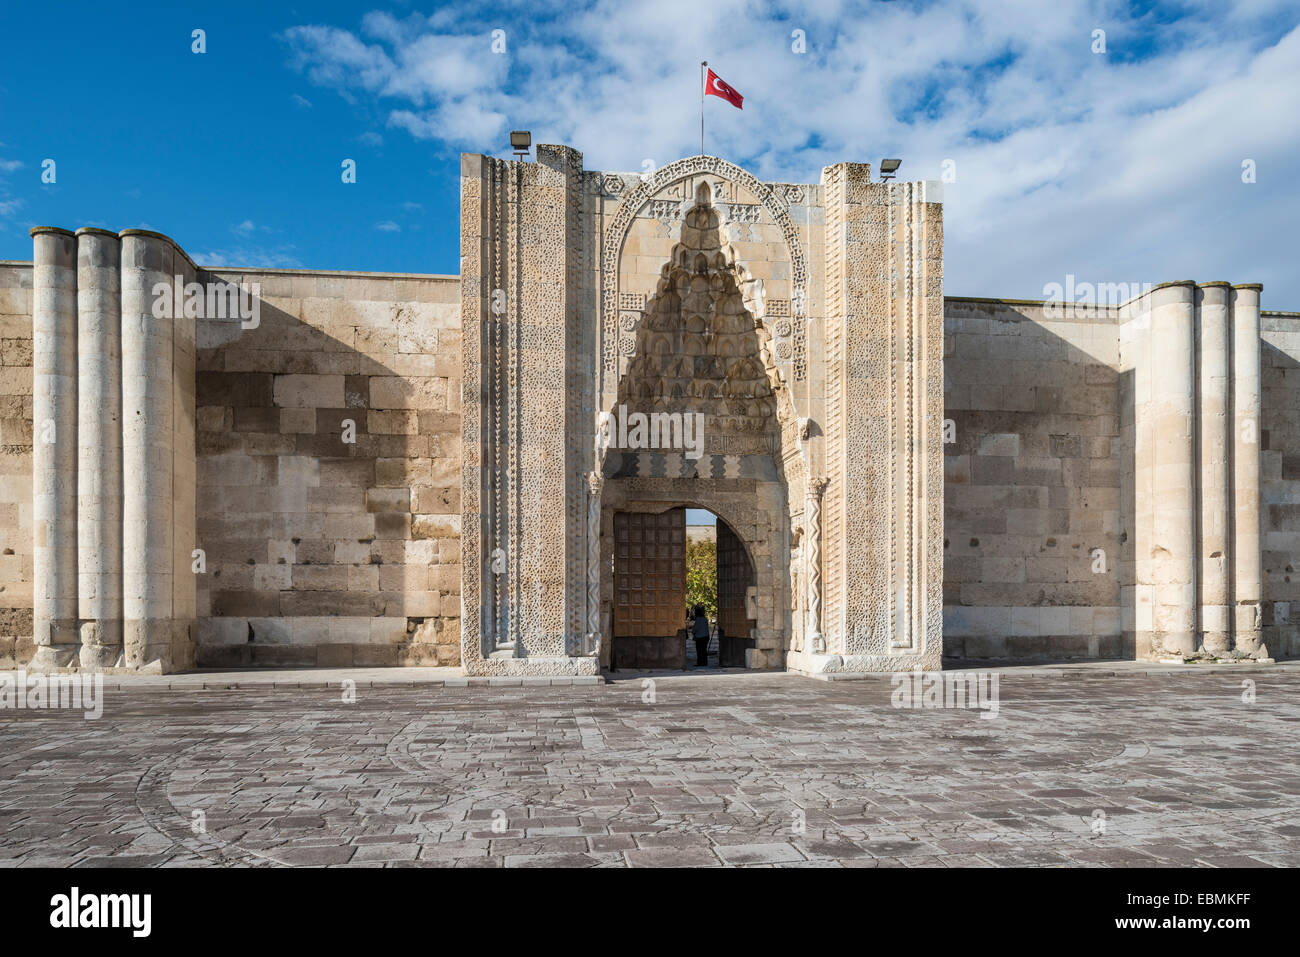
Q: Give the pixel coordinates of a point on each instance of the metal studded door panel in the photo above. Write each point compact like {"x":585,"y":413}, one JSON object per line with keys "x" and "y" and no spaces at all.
{"x":650,"y":573}
{"x":735,"y":576}
{"x":649,"y":589}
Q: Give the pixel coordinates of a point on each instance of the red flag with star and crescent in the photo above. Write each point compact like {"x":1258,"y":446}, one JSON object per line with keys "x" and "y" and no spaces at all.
{"x":718,"y":87}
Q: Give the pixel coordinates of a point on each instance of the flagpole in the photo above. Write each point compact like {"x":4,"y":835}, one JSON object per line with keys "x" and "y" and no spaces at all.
{"x":703,"y":64}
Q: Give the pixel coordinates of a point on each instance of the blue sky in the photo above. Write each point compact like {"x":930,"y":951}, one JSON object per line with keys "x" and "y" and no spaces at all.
{"x":1114,"y":166}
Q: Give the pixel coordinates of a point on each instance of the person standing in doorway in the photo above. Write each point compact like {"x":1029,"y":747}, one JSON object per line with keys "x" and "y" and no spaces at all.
{"x":701,"y":637}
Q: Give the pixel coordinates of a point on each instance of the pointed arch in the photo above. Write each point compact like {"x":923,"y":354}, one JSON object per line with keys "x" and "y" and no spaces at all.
{"x":620,"y":225}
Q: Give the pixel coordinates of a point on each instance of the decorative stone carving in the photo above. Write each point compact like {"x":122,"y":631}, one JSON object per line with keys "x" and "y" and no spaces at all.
{"x":690,"y":336}
{"x":813,"y":516}
{"x":620,"y":222}
{"x":800,"y":352}
{"x":524,"y":508}
{"x":664,"y":209}
{"x":697,"y":347}
{"x":595,"y":484}
{"x":743,"y":213}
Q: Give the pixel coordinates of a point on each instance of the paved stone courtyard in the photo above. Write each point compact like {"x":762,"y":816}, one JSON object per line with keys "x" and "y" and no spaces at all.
{"x":1079,"y":768}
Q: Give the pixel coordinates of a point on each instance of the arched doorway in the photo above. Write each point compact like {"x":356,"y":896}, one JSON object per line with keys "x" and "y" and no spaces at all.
{"x":737,"y":597}
{"x":667,"y":566}
{"x":700,"y":418}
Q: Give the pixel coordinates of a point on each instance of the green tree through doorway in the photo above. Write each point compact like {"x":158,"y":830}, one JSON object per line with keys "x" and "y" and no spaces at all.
{"x":702,"y":577}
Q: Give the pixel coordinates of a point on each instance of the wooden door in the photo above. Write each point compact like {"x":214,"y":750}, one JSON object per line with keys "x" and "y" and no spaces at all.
{"x":735,"y":575}
{"x":649,"y":589}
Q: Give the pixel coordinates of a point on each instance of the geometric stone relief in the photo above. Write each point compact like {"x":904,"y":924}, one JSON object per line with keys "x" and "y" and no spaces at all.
{"x":738,"y":213}
{"x":665,"y":209}
{"x":800,"y":351}
{"x":612,"y":184}
{"x":696,"y":350}
{"x":724,"y":191}
{"x":699,"y":347}
{"x":654,"y":185}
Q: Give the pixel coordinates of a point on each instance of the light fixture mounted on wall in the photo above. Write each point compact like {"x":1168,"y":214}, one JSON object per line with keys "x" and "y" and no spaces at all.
{"x":888,"y":167}
{"x":520,"y":142}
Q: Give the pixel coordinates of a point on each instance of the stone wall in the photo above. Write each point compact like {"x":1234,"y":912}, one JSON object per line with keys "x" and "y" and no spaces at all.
{"x":329,"y":462}
{"x":16,"y":536}
{"x":1280,"y":482}
{"x":1192,"y":354}
{"x":1103,"y":493}
{"x":112,"y":396}
{"x":321,"y":551}
{"x":1032,"y":483}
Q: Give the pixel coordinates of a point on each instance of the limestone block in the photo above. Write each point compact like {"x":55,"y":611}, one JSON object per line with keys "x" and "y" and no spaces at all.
{"x":309,"y":391}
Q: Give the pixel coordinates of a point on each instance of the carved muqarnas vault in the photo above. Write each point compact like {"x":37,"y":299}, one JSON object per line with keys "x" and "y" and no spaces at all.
{"x":698,"y":350}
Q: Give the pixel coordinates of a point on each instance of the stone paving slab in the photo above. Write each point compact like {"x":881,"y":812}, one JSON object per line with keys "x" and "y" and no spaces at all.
{"x":1127,"y":770}
{"x":1068,"y":669}
{"x":327,"y":678}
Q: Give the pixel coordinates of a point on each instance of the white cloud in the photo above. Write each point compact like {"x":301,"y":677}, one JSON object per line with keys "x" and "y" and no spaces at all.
{"x":9,"y":204}
{"x":388,"y":226}
{"x":251,"y":256}
{"x":1116,"y":167}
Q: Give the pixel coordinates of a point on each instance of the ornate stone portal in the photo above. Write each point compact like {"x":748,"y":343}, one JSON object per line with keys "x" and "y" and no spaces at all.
{"x":802,"y":323}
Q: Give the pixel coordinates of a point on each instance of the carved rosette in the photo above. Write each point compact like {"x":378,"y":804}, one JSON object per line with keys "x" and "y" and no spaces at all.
{"x":816,"y":641}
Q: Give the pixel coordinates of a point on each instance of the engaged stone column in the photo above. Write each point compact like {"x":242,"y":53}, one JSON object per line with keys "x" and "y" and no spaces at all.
{"x":816,"y":643}
{"x":1214,"y":583}
{"x":595,"y":485}
{"x":54,"y":447}
{"x":1245,"y":473}
{"x":146,"y":452}
{"x":1172,"y":396}
{"x":99,"y":437}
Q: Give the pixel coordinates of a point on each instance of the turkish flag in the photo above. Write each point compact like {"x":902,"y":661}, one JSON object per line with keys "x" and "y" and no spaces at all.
{"x":713,"y":84}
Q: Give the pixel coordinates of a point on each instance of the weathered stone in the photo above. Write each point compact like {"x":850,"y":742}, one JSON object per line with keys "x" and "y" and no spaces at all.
{"x":423,"y":450}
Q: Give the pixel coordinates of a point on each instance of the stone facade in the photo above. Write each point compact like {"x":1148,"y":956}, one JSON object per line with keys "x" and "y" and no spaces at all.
{"x":329,"y":473}
{"x":17,"y":541}
{"x":1110,"y":493}
{"x":398,"y":469}
{"x":804,"y":321}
